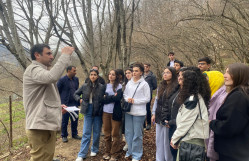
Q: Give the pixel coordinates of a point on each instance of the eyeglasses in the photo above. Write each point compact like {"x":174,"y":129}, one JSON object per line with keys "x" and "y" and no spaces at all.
{"x":202,"y":63}
{"x":166,"y":73}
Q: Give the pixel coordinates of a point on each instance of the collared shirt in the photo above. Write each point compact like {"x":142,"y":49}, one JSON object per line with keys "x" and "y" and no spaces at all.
{"x":72,"y":88}
{"x":172,"y":63}
{"x":67,"y":87}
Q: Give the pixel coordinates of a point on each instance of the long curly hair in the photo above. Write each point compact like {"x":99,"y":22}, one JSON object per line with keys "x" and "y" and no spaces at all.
{"x":168,"y":87}
{"x":194,"y":82}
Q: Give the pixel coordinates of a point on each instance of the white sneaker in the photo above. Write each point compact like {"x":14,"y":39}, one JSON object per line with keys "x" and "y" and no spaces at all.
{"x":125,"y":148}
{"x":79,"y":159}
{"x":135,"y":160}
{"x":93,"y":154}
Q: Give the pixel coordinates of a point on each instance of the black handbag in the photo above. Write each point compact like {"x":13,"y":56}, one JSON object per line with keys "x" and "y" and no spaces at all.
{"x":127,"y":106}
{"x":192,"y":152}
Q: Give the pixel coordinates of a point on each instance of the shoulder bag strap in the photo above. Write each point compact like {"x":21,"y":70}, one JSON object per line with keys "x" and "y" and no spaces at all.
{"x":202,"y":125}
{"x":187,"y":131}
{"x":136,"y":89}
{"x":190,"y":127}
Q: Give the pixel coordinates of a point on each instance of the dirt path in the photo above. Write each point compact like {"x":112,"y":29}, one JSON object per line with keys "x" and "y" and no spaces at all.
{"x":68,"y":151}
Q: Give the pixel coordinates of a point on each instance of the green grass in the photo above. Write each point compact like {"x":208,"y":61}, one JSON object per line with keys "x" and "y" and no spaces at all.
{"x":20,"y":142}
{"x":81,"y":116}
{"x":18,"y":117}
{"x":17,"y":112}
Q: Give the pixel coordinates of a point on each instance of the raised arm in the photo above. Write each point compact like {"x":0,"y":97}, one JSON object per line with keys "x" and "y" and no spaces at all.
{"x":42,"y":76}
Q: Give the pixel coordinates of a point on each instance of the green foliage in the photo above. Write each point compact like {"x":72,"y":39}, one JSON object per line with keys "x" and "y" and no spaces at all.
{"x":20,"y":142}
{"x":17,"y":111}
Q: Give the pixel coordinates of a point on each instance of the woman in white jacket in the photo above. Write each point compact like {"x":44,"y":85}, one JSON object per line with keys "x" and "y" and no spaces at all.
{"x":192,"y":118}
{"x":135,"y":118}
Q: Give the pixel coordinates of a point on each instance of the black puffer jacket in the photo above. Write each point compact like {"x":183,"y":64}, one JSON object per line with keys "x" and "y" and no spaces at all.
{"x":163,"y":106}
{"x":174,"y":107}
{"x":117,"y":111}
{"x":151,"y":80}
{"x":97,"y":98}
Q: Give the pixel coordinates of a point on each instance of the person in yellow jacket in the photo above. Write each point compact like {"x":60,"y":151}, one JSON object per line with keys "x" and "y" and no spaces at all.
{"x":215,"y":80}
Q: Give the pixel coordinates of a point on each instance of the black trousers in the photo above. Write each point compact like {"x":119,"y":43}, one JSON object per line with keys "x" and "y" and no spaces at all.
{"x":74,"y":125}
{"x":173,"y":151}
{"x":148,"y":117}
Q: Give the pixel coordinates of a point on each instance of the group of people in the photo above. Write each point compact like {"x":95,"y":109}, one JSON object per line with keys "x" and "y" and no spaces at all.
{"x":194,"y":106}
{"x":203,"y":110}
{"x":102,"y":105}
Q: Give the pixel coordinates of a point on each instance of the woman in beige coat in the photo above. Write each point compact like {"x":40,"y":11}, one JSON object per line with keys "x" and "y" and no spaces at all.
{"x":192,"y":118}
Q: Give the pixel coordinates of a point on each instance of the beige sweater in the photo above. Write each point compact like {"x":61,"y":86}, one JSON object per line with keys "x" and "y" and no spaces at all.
{"x":40,"y":95}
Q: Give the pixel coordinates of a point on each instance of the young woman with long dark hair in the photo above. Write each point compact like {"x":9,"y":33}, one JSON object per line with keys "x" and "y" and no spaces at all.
{"x":121,"y":76}
{"x":161,"y":113}
{"x":192,"y":117}
{"x":128,"y":76}
{"x":231,"y":127}
{"x":112,"y":116}
{"x":135,"y":118}
{"x":91,"y":107}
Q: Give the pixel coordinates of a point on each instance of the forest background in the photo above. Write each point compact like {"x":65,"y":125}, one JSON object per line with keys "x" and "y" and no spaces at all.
{"x":113,"y":34}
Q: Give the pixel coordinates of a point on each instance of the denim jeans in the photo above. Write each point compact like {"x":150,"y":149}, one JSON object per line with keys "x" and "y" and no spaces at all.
{"x":134,"y":135}
{"x":91,"y":124}
{"x":74,"y":124}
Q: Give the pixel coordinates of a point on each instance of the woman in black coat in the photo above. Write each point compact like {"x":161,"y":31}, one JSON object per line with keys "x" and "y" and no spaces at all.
{"x":161,"y":113}
{"x":90,"y":95}
{"x":231,"y":127}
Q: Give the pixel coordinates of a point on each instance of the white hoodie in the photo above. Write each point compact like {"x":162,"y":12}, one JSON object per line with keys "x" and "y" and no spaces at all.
{"x":141,"y":97}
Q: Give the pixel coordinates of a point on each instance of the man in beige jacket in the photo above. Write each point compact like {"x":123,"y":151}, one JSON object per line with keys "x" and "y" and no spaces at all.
{"x":42,"y":101}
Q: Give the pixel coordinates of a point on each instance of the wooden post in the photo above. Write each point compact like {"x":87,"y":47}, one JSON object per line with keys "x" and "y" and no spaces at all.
{"x":11,"y":124}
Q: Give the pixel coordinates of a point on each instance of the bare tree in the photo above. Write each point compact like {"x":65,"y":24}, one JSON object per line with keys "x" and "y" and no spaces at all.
{"x":104,"y":35}
{"x":22,"y":27}
{"x":194,"y":29}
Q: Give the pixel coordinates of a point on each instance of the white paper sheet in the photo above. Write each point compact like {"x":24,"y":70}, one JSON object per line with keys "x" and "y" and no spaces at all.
{"x":72,"y":108}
